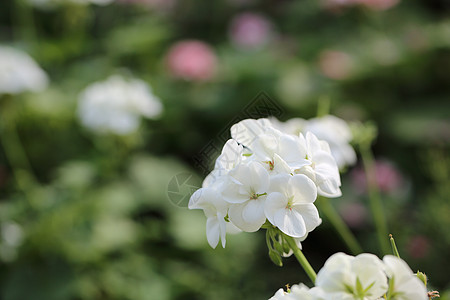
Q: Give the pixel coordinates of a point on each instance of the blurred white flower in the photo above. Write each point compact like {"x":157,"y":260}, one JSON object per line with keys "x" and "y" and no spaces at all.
{"x":12,"y":237}
{"x":19,"y":72}
{"x":353,"y":277}
{"x":403,"y":284}
{"x":116,"y":105}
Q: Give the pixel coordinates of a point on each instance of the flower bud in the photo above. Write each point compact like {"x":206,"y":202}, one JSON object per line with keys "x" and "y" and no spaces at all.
{"x":422,"y":277}
{"x":276,"y":258}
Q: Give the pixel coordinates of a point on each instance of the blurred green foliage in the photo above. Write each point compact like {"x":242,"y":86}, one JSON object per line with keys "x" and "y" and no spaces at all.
{"x":86,"y":216}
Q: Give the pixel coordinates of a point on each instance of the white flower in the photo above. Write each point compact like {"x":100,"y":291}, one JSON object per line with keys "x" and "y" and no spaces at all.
{"x":403,"y":284}
{"x":338,"y":135}
{"x":292,"y":126}
{"x":215,"y":209}
{"x":247,"y":131}
{"x":19,"y":72}
{"x":278,"y":151}
{"x":116,"y":105}
{"x":231,"y":156}
{"x":296,"y":292}
{"x":349,"y":277}
{"x":322,"y":168}
{"x":331,"y":129}
{"x":289,"y":205}
{"x":245,"y":189}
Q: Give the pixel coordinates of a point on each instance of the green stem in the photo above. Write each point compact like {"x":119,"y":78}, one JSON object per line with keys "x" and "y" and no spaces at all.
{"x":323,"y":106}
{"x":15,"y":153}
{"x":23,"y":12}
{"x":394,"y":247}
{"x":340,"y":226}
{"x":301,"y":258}
{"x":376,"y":204}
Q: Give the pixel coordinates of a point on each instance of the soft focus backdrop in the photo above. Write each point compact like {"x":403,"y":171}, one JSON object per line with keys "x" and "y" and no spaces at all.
{"x":88,"y":182}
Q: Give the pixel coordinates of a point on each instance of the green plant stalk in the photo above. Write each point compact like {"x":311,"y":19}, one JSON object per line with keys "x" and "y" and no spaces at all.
{"x":25,"y":27}
{"x":340,"y":226}
{"x":15,"y":153}
{"x":301,"y":258}
{"x":394,"y":247}
{"x":375,"y":199}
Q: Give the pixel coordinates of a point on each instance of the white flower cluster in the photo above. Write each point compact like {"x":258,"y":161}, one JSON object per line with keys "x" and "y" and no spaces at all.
{"x":266,"y":174}
{"x":116,"y":105}
{"x":19,"y":72}
{"x":365,"y":277}
{"x":328,"y":128}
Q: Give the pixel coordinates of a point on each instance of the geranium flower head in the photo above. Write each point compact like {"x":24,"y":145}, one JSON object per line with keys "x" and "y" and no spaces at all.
{"x":192,"y":60}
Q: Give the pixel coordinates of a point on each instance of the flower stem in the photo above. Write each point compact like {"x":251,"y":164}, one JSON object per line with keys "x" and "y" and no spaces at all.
{"x":14,"y":152}
{"x":376,"y":204}
{"x":394,"y":247}
{"x":301,"y":258}
{"x":340,"y":226}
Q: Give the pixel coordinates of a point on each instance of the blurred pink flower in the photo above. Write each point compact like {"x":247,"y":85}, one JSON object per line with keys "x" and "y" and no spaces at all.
{"x":250,"y":30}
{"x":335,"y":64}
{"x":354,"y":214}
{"x":192,"y":60}
{"x":389,"y":179}
{"x":418,"y":246}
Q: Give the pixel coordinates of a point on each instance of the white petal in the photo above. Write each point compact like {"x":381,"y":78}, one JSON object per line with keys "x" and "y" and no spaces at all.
{"x":248,"y":216}
{"x":310,"y":215}
{"x":246,"y":131}
{"x":275,"y":201}
{"x":304,"y":189}
{"x":290,"y":222}
{"x":212,"y":231}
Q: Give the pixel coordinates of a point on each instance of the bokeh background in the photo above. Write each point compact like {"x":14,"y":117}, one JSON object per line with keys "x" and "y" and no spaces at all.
{"x":85,"y":214}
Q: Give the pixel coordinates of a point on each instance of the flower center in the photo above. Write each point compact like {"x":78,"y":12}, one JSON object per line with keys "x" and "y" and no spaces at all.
{"x":271,"y":164}
{"x":290,"y":203}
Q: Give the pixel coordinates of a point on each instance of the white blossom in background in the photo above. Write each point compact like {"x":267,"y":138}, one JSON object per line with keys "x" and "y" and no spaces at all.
{"x":266,"y":175}
{"x":404,"y":285}
{"x":19,"y":72}
{"x":11,"y":238}
{"x":116,"y":105}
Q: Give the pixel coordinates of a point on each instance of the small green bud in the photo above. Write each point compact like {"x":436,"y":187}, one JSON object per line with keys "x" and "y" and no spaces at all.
{"x":278,"y":247}
{"x":276,"y":258}
{"x":422,"y":277}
